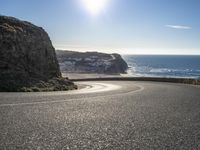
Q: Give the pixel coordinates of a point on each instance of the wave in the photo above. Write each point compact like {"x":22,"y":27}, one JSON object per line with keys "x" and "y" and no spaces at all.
{"x":145,"y":71}
{"x":163,"y":66}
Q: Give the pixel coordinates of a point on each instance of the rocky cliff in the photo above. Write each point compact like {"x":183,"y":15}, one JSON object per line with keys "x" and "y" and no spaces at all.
{"x":91,"y":62}
{"x":27,"y":56}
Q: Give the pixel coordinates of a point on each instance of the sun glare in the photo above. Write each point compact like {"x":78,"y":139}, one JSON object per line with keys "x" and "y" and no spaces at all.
{"x":94,"y":7}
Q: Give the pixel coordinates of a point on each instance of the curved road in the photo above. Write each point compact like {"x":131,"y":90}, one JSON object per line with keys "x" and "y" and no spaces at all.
{"x":103,"y":115}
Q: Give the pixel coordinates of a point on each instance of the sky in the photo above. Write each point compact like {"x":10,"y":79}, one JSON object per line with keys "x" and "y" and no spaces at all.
{"x":114,"y":26}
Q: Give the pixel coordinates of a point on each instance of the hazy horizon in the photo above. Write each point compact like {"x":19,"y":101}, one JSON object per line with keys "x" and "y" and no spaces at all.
{"x":155,"y":27}
{"x":114,"y":51}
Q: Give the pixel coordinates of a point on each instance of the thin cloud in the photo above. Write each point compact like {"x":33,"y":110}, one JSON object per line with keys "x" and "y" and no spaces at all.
{"x":178,"y":27}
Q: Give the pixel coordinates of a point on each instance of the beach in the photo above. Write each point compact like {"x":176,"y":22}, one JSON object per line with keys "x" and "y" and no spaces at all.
{"x":91,"y":75}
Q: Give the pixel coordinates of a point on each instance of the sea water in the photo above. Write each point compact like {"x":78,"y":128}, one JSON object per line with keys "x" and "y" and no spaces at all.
{"x":163,"y":66}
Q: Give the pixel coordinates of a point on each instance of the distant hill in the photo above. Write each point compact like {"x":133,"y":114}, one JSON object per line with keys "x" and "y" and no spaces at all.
{"x":90,"y":62}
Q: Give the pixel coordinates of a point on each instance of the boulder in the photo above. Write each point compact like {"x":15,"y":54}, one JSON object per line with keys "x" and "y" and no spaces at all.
{"x":27,"y":56}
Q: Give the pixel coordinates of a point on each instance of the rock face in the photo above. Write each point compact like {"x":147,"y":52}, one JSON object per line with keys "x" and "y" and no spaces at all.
{"x":91,"y":62}
{"x":26,"y":55}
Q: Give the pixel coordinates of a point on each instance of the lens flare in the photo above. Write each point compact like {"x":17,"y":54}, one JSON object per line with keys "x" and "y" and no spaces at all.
{"x":94,"y":7}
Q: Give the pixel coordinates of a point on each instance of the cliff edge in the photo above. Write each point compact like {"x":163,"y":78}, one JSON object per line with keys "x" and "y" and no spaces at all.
{"x":91,"y":62}
{"x":27,"y":58}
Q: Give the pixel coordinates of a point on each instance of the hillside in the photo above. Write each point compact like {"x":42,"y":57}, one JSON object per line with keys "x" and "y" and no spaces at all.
{"x":90,"y":62}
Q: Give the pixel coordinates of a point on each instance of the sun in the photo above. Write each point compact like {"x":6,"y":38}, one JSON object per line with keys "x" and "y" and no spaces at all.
{"x":94,"y":7}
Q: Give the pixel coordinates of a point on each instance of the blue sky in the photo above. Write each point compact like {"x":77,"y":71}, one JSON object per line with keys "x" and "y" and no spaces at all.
{"x":122,"y":26}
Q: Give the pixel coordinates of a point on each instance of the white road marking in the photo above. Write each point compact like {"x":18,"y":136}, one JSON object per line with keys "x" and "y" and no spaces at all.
{"x":95,"y":89}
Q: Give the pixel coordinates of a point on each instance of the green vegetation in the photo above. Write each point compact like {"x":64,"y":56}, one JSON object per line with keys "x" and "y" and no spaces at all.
{"x":55,"y":84}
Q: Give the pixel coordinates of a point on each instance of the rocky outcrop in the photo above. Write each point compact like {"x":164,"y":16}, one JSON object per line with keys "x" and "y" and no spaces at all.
{"x":91,"y":62}
{"x":27,"y":56}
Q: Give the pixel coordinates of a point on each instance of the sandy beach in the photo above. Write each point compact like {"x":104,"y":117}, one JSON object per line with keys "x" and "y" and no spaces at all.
{"x":92,"y":75}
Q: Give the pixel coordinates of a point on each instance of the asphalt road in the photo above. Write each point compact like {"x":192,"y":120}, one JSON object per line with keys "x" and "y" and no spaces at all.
{"x":104,"y":115}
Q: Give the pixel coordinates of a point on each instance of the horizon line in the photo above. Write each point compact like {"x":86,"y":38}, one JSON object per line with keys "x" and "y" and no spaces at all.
{"x":170,"y":54}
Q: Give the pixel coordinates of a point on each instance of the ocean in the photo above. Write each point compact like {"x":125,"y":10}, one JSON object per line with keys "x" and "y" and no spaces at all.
{"x":176,"y":66}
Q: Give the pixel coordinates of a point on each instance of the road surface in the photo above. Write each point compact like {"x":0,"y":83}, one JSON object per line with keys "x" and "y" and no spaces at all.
{"x":103,"y":115}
